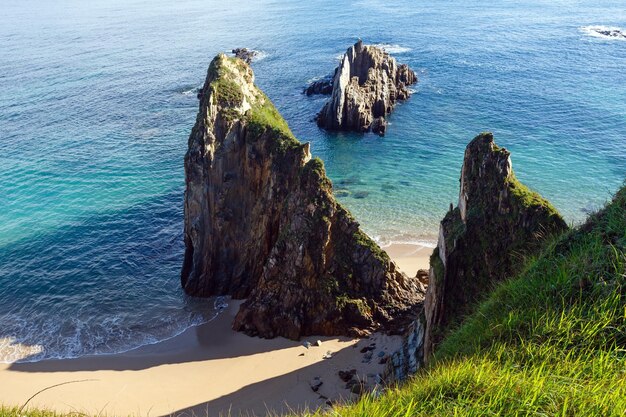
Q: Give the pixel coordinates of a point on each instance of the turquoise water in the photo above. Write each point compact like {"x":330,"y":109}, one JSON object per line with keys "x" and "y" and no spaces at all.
{"x":97,"y":99}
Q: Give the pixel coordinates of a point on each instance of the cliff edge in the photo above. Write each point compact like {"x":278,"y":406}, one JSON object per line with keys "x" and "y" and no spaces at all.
{"x":261,"y":223}
{"x":498,"y":221}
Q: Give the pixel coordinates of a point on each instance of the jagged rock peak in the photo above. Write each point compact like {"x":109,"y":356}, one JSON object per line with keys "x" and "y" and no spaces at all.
{"x":497,"y":223}
{"x":366,"y":86}
{"x":261,"y":223}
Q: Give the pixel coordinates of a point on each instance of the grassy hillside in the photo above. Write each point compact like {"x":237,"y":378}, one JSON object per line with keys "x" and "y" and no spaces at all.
{"x":550,"y":342}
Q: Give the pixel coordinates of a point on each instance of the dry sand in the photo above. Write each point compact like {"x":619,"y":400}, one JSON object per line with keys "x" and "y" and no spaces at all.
{"x":205,"y":371}
{"x":409,"y":257}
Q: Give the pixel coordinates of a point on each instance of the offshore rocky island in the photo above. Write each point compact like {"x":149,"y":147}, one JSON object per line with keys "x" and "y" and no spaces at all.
{"x":363,"y":90}
{"x":261,"y":223}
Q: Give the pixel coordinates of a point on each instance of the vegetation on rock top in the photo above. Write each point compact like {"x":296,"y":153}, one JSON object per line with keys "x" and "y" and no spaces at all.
{"x":498,"y":224}
{"x":264,"y":120}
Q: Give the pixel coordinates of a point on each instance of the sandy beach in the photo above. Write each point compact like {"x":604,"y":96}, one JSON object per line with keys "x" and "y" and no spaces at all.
{"x":206,"y":370}
{"x":409,"y":257}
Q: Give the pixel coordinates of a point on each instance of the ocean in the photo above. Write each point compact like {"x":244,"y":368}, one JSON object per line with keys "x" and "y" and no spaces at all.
{"x":97,"y":100}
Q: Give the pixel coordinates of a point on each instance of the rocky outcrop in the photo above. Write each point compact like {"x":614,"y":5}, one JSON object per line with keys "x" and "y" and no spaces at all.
{"x":245,"y":54}
{"x":410,"y":357}
{"x":498,"y":221}
{"x":366,"y":86}
{"x":322,"y":86}
{"x":261,"y":223}
{"x":605,"y":32}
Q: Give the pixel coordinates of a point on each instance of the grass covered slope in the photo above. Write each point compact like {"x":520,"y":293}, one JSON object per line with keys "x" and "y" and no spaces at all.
{"x":15,"y":411}
{"x":550,"y":342}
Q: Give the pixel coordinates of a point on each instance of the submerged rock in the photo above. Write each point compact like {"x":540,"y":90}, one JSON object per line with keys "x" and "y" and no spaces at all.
{"x":366,"y":86}
{"x":498,"y":221}
{"x":605,"y":32}
{"x":612,"y":33}
{"x":261,"y":223}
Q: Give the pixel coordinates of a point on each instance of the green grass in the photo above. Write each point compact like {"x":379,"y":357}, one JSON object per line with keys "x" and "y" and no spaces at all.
{"x":223,"y":84}
{"x":264,"y":118}
{"x":528,"y":198}
{"x":29,"y":412}
{"x":364,"y":240}
{"x":549,"y":342}
{"x":358,"y":304}
{"x":314,"y":170}
{"x":228,"y":92}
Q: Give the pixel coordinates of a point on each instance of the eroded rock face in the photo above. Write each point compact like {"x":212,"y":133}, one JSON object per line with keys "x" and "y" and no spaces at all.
{"x":497,"y":222}
{"x":407,"y":360}
{"x":261,"y":223}
{"x":366,"y":86}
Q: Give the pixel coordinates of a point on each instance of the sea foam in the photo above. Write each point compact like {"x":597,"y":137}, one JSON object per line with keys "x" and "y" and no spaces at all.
{"x":613,"y":33}
{"x":393,"y":49}
{"x":75,"y":337}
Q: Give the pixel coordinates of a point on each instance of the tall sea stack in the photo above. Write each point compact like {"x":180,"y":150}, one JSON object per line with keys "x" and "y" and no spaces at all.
{"x":261,"y":223}
{"x":484,"y":240}
{"x":366,"y":86}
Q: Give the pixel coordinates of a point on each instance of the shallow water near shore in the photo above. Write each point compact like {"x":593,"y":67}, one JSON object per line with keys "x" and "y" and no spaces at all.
{"x":97,"y":100}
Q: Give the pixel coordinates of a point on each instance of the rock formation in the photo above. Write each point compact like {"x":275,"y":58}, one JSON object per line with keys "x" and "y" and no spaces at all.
{"x":497,"y":222}
{"x":366,"y":86}
{"x":409,"y":358}
{"x":322,"y":86}
{"x":245,"y":54}
{"x":261,"y":223}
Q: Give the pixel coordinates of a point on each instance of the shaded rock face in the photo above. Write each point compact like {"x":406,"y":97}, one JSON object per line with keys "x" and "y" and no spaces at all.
{"x":261,"y":223}
{"x":410,"y":357}
{"x":322,"y":86}
{"x":497,"y":222}
{"x":366,"y":86}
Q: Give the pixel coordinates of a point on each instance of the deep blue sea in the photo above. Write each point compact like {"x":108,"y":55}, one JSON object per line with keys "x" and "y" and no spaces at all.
{"x":97,"y":99}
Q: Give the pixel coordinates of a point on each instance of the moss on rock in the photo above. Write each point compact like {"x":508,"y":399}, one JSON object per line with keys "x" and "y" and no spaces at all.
{"x":498,"y":223}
